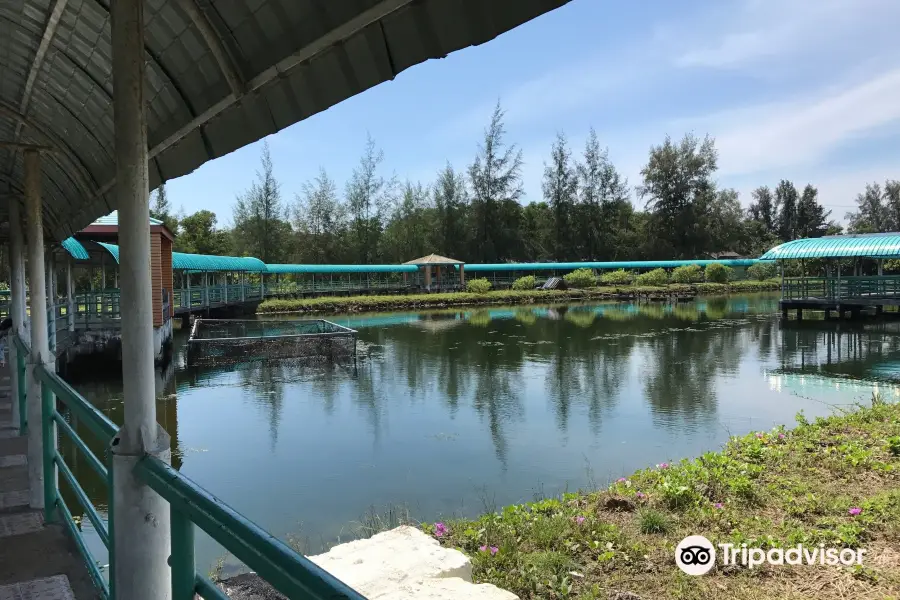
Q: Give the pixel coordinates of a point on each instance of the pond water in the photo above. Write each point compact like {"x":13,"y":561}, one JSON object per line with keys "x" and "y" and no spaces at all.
{"x":457,"y":412}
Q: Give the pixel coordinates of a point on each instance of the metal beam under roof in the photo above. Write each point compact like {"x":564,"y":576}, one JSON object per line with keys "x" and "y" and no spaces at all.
{"x":220,"y":75}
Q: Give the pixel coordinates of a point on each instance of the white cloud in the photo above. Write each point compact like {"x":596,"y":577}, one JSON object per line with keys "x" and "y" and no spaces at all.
{"x":802,"y":131}
{"x":837,"y":189}
{"x":757,"y":30}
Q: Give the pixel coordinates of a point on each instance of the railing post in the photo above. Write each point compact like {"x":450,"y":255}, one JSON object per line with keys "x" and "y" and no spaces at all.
{"x":48,"y":426}
{"x":40,"y":349}
{"x":141,"y":517}
{"x":21,"y":402}
{"x":18,"y":382}
{"x":184,"y":570}
{"x":70,"y":297}
{"x":51,"y":302}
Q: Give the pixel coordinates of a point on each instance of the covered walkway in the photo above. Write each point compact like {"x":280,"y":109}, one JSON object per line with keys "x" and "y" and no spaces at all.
{"x":99,"y":103}
{"x":841,"y":274}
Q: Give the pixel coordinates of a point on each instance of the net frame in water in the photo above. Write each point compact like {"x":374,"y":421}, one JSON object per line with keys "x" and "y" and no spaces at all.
{"x":338,"y":342}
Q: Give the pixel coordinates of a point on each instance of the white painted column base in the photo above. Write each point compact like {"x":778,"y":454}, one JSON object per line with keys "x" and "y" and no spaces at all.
{"x":141,"y":529}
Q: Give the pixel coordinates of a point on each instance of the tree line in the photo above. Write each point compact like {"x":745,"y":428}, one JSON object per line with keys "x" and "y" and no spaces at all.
{"x":478,"y":214}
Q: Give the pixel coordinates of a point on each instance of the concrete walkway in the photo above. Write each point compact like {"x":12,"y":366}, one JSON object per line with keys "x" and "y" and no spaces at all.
{"x":36,"y":560}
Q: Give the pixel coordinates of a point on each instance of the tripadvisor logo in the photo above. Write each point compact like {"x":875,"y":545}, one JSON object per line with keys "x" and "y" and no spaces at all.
{"x":696,"y":555}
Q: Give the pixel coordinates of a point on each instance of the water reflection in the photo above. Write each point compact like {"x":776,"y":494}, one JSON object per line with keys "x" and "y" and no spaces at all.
{"x":441,"y":405}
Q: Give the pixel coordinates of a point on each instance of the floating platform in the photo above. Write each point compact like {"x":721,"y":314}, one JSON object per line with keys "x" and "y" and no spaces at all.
{"x":217,"y":341}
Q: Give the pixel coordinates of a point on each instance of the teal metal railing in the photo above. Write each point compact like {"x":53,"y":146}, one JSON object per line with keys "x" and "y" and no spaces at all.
{"x":191,"y":507}
{"x":288,"y":572}
{"x":54,"y":389}
{"x":22,"y":352}
{"x":843,"y":289}
{"x":97,"y":307}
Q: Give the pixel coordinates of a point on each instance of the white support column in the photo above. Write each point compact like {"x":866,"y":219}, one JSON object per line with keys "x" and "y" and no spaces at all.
{"x":40,"y":347}
{"x":51,"y":302}
{"x":70,"y":297}
{"x":141,"y":517}
{"x":243,"y":286}
{"x":17,"y":299}
{"x":102,"y":287}
{"x":206,"y":289}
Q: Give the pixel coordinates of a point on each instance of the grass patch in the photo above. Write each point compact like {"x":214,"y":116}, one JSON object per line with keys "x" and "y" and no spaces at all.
{"x":653,"y":521}
{"x":773,"y":489}
{"x":341,"y":304}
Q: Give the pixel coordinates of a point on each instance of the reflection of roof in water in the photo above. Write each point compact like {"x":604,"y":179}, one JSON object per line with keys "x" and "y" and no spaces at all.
{"x":434,"y":326}
{"x":867,"y":377}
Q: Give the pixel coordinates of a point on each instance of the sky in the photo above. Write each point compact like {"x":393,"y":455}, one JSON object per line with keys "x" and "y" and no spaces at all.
{"x":806,"y":90}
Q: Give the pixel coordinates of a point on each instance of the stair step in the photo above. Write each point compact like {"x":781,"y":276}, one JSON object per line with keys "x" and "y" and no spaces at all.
{"x":20,"y":523}
{"x":11,"y":500}
{"x":46,"y":588}
{"x":13,"y":460}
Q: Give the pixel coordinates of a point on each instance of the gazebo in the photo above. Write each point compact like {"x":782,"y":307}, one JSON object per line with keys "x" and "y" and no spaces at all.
{"x":447,"y":273}
{"x":848,"y":273}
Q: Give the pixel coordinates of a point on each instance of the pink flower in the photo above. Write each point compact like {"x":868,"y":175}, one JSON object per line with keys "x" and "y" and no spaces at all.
{"x":855,"y":511}
{"x":440,"y":529}
{"x":493,"y":549}
{"x":641,"y":495}
{"x":621,"y":480}
{"x":759,"y":436}
{"x":719,"y":505}
{"x":579,"y":519}
{"x":781,"y":436}
{"x":663,"y":466}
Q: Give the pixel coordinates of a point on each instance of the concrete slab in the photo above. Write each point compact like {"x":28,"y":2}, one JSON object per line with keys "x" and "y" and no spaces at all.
{"x":14,"y":445}
{"x":45,"y":554}
{"x":20,"y":523}
{"x":47,"y":588}
{"x":14,"y":479}
{"x":401,"y":564}
{"x":13,"y":460}
{"x":13,"y":500}
{"x":445,"y":589}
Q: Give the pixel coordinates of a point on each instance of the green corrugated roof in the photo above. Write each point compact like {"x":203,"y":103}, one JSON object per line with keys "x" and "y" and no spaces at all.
{"x":876,"y":245}
{"x":75,"y":249}
{"x":207,"y":263}
{"x":342,"y":268}
{"x":113,"y":219}
{"x":629,"y":264}
{"x":203,"y":262}
{"x":111,"y":248}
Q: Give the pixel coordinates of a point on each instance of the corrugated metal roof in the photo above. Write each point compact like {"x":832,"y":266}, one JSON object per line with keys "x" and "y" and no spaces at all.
{"x":309,"y":269}
{"x":75,"y":249}
{"x":111,"y":248}
{"x":113,"y":219}
{"x":882,"y":245}
{"x":628,"y":264}
{"x":434,"y":259}
{"x":219,"y":75}
{"x":207,"y":263}
{"x":203,"y":262}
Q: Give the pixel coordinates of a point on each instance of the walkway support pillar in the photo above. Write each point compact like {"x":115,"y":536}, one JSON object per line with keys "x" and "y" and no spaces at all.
{"x":141,"y":535}
{"x":51,"y":301}
{"x":17,"y":302}
{"x":70,"y":297}
{"x":40,"y":345}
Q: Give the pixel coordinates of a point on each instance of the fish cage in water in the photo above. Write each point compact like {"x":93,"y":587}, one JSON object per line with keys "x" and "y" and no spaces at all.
{"x":216,"y":341}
